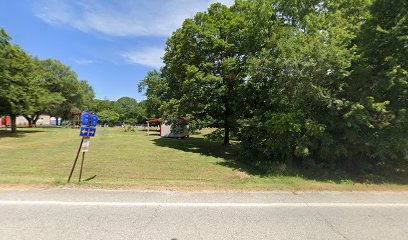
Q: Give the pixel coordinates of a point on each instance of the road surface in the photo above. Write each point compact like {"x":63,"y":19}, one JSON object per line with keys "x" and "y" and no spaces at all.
{"x":98,"y":214}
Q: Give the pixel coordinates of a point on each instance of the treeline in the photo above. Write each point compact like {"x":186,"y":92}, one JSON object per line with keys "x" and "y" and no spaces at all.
{"x":30,"y":86}
{"x":125,"y":110}
{"x":318,"y":84}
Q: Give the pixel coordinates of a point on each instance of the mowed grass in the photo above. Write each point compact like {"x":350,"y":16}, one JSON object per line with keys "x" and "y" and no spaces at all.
{"x":43,"y":157}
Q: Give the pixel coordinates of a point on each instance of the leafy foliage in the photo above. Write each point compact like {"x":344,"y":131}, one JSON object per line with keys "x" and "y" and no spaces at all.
{"x":312,"y":84}
{"x":125,"y":110}
{"x":214,"y":136}
{"x":30,"y":86}
{"x":129,"y":110}
{"x":205,"y":62}
{"x":108,"y":117}
{"x":156,"y":89}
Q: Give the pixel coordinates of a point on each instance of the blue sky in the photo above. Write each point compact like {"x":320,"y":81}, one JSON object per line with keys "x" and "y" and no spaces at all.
{"x":111,"y":44}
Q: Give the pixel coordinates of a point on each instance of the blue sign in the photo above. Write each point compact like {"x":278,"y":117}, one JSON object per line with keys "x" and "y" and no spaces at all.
{"x":89,"y":122}
{"x":91,"y":132}
{"x":84,"y":132}
{"x":86,"y":118}
{"x":94,"y":120}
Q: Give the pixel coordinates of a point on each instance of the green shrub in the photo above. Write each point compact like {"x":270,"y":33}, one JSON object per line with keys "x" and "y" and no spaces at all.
{"x":128,"y":128}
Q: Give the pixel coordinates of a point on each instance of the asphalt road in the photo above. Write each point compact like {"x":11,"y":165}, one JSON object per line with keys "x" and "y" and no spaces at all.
{"x":97,"y":214}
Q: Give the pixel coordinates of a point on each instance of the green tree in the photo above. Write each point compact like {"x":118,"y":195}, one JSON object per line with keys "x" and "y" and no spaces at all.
{"x":100,"y":105}
{"x":60,"y":93}
{"x":156,"y":90}
{"x":378,"y":122}
{"x":108,"y":117}
{"x":204,"y":67}
{"x":294,"y":93}
{"x":75,"y":95}
{"x":45,"y":101}
{"x":128,"y":110}
{"x":87,"y":95}
{"x":18,"y":90}
{"x":314,"y":83}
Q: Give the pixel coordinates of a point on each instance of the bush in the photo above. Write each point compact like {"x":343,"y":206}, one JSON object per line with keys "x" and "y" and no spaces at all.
{"x":128,"y":128}
{"x":278,"y":138}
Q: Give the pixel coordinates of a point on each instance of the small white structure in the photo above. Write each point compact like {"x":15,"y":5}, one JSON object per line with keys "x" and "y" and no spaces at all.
{"x":43,"y":120}
{"x":166,"y":131}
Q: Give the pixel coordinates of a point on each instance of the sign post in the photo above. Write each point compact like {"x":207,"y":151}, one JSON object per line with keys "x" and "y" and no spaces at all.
{"x":76,"y":159}
{"x":88,"y":130}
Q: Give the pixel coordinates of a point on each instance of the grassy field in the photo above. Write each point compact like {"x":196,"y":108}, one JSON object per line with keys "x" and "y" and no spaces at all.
{"x":131,"y":160}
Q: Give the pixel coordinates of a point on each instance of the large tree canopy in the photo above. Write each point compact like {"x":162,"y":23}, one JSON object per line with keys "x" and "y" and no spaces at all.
{"x":205,"y":66}
{"x":30,"y":86}
{"x":129,"y":110}
{"x":156,"y":91}
{"x":378,"y":120}
{"x":295,"y":85}
{"x":60,"y":79}
{"x":18,"y":90}
{"x":316,"y":83}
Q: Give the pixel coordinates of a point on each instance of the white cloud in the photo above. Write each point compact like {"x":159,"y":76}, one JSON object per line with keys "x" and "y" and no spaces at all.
{"x":150,"y":56}
{"x":121,"y":18}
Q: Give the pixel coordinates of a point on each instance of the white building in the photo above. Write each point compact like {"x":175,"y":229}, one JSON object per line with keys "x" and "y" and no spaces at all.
{"x":165,"y":129}
{"x":43,"y":120}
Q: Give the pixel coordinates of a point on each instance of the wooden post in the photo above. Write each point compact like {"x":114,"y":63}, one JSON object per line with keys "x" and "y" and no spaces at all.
{"x":148,"y":133}
{"x":76,"y":159}
{"x":82,"y":165}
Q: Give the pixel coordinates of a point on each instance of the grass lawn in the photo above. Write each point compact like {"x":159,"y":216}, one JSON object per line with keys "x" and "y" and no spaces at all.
{"x":43,"y":157}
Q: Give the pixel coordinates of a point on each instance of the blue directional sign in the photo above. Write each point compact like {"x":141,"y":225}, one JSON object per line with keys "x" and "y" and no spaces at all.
{"x":91,"y":132}
{"x":94,"y":120}
{"x":84,"y":132}
{"x":89,"y":122}
{"x":86,"y":118}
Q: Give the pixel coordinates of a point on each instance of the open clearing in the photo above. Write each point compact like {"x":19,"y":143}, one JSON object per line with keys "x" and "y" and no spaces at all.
{"x":43,"y":157}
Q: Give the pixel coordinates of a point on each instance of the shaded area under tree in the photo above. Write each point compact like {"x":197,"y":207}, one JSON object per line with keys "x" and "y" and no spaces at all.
{"x":231,"y":158}
{"x":21,"y":133}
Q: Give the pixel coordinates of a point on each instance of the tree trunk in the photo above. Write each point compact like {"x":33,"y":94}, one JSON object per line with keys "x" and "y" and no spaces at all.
{"x":13,"y":123}
{"x":228,"y":109}
{"x":29,"y":120}
{"x":227,"y":125}
{"x":35,"y":119}
{"x":226,"y":133}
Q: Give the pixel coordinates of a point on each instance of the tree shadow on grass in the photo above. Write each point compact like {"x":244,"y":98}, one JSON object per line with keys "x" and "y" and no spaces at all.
{"x":19,"y":134}
{"x":227,"y":154}
{"x":373,"y":177}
